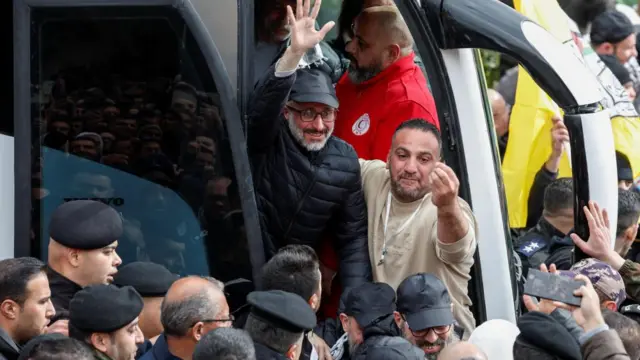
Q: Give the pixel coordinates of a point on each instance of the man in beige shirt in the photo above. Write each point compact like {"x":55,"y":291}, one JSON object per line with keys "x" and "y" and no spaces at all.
{"x":417,"y":222}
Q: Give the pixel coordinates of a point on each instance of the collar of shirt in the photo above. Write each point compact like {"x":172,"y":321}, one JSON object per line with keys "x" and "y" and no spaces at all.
{"x":161,"y":349}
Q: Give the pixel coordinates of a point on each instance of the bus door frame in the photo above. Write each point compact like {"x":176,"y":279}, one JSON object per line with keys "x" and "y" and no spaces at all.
{"x":22,"y":113}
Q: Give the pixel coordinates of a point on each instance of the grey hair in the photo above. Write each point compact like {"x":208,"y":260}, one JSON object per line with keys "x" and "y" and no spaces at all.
{"x":278,"y":339}
{"x":225,"y":344}
{"x":217,"y":283}
{"x":177,"y":317}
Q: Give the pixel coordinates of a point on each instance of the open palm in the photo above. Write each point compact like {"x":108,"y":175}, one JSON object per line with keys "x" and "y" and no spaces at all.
{"x":304,"y":35}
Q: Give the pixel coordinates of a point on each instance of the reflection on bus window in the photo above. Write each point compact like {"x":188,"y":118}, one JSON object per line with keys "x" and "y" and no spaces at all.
{"x":133,"y":120}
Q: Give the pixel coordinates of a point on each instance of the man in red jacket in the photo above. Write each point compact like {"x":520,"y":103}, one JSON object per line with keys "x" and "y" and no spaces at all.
{"x":383,"y":86}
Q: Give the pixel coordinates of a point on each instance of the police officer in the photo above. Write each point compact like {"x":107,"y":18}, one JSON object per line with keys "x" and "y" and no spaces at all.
{"x":556,"y":222}
{"x":151,"y":281}
{"x":82,"y":249}
{"x":277,"y":323}
{"x":106,"y":318}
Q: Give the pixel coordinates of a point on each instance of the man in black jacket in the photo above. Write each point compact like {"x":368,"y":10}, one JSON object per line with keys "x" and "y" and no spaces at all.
{"x":308,"y":182}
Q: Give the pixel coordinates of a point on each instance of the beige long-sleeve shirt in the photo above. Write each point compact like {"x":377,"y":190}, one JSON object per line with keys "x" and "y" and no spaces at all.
{"x":417,"y":249}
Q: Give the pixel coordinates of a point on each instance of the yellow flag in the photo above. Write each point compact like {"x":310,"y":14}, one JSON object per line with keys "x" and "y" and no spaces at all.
{"x":529,"y":143}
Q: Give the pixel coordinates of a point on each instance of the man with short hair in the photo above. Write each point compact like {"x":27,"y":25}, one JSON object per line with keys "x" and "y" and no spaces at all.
{"x":227,"y":344}
{"x":106,"y":318}
{"x":425,"y":314}
{"x":307,"y":181}
{"x":417,"y":221}
{"x":25,"y":303}
{"x":628,"y":215}
{"x":277,"y":323}
{"x":556,"y":222}
{"x":501,"y":112}
{"x":383,"y":86}
{"x":55,"y":347}
{"x":193,"y":306}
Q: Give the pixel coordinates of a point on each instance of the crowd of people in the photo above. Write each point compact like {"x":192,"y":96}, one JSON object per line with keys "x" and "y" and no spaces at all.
{"x":369,"y":245}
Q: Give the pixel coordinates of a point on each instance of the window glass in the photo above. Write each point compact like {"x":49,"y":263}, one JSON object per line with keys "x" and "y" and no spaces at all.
{"x":133,"y":119}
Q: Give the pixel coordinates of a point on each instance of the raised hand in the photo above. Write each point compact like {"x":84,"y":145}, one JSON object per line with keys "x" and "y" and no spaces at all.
{"x":599,"y":244}
{"x":444,"y":186}
{"x":559,"y":136}
{"x":304,"y":35}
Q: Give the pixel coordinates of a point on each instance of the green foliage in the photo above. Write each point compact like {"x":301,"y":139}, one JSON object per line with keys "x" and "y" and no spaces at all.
{"x":491,"y":65}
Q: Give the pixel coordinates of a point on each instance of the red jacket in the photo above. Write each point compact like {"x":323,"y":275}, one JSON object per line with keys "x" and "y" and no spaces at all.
{"x":371,"y":111}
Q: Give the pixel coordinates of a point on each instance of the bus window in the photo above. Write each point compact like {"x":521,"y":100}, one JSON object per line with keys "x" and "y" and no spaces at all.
{"x":131,"y":117}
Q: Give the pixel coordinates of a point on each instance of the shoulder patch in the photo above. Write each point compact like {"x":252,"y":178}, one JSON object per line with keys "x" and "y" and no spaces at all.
{"x":361,"y":126}
{"x":531,"y":247}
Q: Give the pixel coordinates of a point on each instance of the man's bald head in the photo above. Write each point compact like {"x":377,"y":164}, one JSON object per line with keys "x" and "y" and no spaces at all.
{"x":388,"y":25}
{"x":380,"y":38}
{"x":462,"y":351}
{"x":501,"y":111}
{"x":191,"y":301}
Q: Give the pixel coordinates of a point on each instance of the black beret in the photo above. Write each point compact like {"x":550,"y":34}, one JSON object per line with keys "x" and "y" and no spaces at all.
{"x":611,"y":27}
{"x":85,"y":224}
{"x":282,"y":310}
{"x":149,"y":279}
{"x":104,"y":308}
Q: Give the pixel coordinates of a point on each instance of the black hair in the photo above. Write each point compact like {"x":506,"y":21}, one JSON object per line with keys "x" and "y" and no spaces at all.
{"x":15,"y":275}
{"x":522,"y":350}
{"x":422,"y":125}
{"x":584,"y":11}
{"x":558,"y":196}
{"x":294,"y":269}
{"x":57,"y":349}
{"x":628,"y":210}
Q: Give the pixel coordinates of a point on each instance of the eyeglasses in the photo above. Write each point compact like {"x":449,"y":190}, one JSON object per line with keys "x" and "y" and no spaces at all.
{"x":439,"y":330}
{"x":308,"y":115}
{"x":230,"y":319}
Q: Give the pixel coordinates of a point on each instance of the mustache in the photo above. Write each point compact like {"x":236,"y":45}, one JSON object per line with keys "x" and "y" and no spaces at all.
{"x":423,"y":342}
{"x":313,"y":132}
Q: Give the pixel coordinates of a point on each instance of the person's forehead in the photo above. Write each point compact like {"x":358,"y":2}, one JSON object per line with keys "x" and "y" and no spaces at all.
{"x":412,"y":138}
{"x":366,"y":28}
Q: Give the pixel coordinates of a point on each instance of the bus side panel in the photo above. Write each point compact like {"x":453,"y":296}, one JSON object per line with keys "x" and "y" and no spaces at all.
{"x":493,"y":250}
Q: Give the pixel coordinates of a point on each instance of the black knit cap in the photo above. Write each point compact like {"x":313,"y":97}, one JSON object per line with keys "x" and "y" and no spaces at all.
{"x":85,"y":224}
{"x":611,"y":27}
{"x":147,"y":278}
{"x":104,"y":308}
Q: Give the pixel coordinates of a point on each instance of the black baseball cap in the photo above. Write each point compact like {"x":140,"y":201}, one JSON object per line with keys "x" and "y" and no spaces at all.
{"x":424,"y":301}
{"x":369,"y":302}
{"x":313,"y":86}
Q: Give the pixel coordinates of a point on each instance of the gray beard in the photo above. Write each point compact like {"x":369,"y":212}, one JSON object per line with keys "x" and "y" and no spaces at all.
{"x":298,"y":134}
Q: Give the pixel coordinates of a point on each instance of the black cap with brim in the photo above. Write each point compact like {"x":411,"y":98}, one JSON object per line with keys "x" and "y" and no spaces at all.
{"x":325,"y":99}
{"x":282,"y":310}
{"x":369,"y":302}
{"x":429,"y":318}
{"x":313,"y":86}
